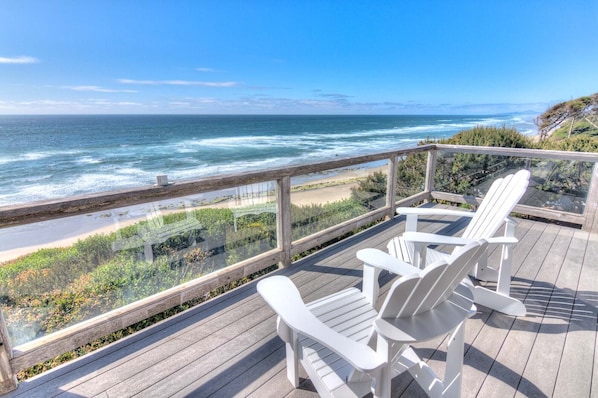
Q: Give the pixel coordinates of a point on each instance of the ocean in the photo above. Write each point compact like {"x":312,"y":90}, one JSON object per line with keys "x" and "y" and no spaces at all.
{"x":49,"y":157}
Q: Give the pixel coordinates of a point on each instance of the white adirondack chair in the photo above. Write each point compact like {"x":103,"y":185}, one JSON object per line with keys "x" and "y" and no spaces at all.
{"x":349,"y":350}
{"x":492,"y":214}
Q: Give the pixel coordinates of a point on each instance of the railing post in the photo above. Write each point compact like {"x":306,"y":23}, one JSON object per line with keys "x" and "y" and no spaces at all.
{"x":591,"y":209}
{"x":430,"y":172}
{"x":283,"y":218}
{"x":8,"y":379}
{"x":391,"y":186}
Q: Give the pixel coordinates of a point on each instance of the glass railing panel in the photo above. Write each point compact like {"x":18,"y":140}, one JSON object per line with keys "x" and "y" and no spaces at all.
{"x":322,"y":200}
{"x":411,"y":174}
{"x":472,"y":174}
{"x":559,"y":185}
{"x":54,"y":274}
{"x":554,"y":184}
{"x":254,"y":212}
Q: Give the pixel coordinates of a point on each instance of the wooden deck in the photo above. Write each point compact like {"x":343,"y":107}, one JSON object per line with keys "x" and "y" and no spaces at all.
{"x":228,"y":347}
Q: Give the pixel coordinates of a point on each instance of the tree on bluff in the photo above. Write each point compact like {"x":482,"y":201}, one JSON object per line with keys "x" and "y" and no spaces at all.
{"x":568,"y":113}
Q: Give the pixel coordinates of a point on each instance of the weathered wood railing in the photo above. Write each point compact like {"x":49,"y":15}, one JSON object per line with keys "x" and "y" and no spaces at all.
{"x":14,"y":359}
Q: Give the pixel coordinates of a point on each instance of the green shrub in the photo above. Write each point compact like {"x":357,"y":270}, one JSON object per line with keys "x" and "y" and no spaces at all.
{"x":371,"y":192}
{"x":462,"y":172}
{"x":307,"y":220}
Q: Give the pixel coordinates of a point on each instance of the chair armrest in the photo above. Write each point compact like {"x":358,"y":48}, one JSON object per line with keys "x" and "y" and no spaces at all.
{"x":435,"y":239}
{"x":284,"y":298}
{"x":378,"y":259}
{"x":503,"y":240}
{"x":424,"y":211}
{"x":412,"y":214}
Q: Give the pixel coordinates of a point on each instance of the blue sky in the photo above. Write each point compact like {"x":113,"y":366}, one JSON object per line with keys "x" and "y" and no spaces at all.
{"x":295,"y":57}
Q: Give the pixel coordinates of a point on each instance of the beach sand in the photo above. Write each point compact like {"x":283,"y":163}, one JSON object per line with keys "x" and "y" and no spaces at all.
{"x":69,"y":230}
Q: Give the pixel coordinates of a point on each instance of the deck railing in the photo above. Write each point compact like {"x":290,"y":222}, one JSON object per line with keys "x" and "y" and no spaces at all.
{"x":14,"y":358}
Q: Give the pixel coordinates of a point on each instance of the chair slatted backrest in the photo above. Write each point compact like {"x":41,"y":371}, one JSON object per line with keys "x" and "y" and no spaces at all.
{"x":497,"y":204}
{"x":417,"y":293}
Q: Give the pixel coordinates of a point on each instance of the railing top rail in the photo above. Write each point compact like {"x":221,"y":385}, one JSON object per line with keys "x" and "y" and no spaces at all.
{"x":82,"y":204}
{"x":521,"y":152}
{"x":63,"y":207}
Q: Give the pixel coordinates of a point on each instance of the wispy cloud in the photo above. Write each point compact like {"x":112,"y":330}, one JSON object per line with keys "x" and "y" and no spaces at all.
{"x":178,"y":83}
{"x":18,"y":60}
{"x":104,"y":102}
{"x":51,"y":106}
{"x":258,"y":103}
{"x":35,"y":102}
{"x":207,"y":70}
{"x":336,"y":96}
{"x":98,"y":89}
{"x":193,"y":102}
{"x":489,"y":108}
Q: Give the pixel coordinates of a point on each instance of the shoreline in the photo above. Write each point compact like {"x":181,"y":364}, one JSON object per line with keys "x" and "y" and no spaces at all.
{"x":320,"y":190}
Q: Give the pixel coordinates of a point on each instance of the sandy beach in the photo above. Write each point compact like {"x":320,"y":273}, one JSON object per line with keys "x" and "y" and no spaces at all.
{"x":65,"y":232}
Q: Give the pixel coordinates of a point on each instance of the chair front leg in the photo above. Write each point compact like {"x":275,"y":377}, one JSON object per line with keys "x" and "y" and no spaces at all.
{"x":383,"y":376}
{"x":289,"y":336}
{"x":481,"y":270}
{"x":504,"y":272}
{"x":454,"y":362}
{"x":411,"y":223}
{"x":371,"y":287}
{"x":293,"y":362}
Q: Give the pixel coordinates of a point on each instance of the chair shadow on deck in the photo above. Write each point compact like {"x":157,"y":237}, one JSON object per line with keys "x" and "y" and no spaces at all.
{"x":542,"y":299}
{"x":545,"y":300}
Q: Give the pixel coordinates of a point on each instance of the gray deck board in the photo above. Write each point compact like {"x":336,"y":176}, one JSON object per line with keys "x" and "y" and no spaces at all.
{"x":228,"y":346}
{"x":516,"y":335}
{"x":575,"y":371}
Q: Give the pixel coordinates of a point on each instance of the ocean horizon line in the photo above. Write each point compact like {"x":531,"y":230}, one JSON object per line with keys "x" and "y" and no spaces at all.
{"x":275,"y":114}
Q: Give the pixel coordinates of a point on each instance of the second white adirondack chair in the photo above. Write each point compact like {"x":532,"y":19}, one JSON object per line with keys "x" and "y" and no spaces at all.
{"x":349,"y":350}
{"x":492,"y":213}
